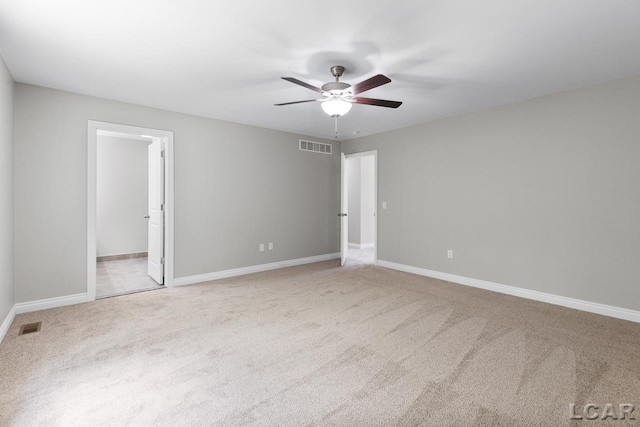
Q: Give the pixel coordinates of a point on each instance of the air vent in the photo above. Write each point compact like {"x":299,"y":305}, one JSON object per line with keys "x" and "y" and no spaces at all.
{"x":30,"y":328}
{"x":315,"y":147}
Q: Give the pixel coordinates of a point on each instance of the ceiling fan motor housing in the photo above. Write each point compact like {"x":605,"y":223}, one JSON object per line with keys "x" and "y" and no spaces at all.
{"x":335,"y":86}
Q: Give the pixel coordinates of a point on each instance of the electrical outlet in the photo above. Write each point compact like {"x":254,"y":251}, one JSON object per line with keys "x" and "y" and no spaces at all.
{"x":450,"y":254}
{"x":384,"y":205}
{"x":270,"y":246}
{"x":261,"y":247}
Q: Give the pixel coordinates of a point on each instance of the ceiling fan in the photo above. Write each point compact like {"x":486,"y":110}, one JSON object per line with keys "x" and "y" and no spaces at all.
{"x":338,"y":97}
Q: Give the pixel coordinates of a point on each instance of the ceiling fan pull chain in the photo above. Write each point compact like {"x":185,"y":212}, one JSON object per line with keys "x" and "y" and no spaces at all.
{"x":336,"y":127}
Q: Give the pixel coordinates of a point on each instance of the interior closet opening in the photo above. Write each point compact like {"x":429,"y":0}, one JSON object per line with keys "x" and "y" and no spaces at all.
{"x":130,"y":210}
{"x":360,"y":220}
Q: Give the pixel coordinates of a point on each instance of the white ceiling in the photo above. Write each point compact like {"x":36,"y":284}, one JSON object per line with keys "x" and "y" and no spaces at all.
{"x":224,"y":59}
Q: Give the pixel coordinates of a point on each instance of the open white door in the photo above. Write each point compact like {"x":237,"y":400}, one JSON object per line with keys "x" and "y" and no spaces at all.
{"x":155,"y":236}
{"x":344,"y":204}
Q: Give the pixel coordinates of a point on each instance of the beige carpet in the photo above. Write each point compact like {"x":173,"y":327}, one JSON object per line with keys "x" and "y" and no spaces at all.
{"x":316,"y":345}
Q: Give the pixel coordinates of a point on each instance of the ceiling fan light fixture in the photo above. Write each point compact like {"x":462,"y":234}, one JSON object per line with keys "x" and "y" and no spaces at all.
{"x":338,"y":97}
{"x":336,"y":107}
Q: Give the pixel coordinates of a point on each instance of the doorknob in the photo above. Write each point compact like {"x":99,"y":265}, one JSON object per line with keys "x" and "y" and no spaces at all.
{"x":147,"y":217}
{"x":342,"y":214}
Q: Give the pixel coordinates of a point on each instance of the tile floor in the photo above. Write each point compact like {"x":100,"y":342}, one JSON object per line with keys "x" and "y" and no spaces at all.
{"x":123,"y":276}
{"x":360,"y":256}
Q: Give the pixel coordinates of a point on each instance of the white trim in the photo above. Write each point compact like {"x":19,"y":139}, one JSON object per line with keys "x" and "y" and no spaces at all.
{"x":93,"y":127}
{"x":362,"y":154}
{"x":373,"y":153}
{"x":592,"y":307}
{"x":6,"y":324}
{"x":112,"y":134}
{"x":43,"y":304}
{"x":362,"y":245}
{"x":189,"y":280}
{"x":92,"y":189}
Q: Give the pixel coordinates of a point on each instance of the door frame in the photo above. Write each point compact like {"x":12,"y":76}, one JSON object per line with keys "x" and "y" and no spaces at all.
{"x":373,"y":153}
{"x":344,"y":209}
{"x":93,"y":126}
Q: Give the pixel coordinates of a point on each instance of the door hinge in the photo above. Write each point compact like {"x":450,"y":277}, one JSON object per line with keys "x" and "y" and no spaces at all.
{"x":162,"y":153}
{"x":162,"y":260}
{"x":162,"y":206}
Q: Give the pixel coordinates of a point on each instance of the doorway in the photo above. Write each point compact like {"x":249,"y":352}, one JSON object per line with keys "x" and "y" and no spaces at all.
{"x":130,"y":210}
{"x":359,"y":221}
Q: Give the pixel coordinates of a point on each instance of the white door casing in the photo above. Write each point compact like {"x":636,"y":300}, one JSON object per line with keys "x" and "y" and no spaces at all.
{"x":167,"y":137}
{"x":344,"y":243}
{"x":344,"y":204}
{"x":155,"y":212}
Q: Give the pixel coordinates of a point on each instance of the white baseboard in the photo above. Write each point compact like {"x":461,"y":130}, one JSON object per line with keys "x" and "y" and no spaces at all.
{"x":43,"y":304}
{"x":6,"y":324}
{"x":361,"y":245}
{"x":592,"y":307}
{"x":190,"y":280}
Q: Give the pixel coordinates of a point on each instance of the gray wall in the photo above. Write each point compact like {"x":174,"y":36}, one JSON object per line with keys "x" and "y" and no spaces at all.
{"x":353,"y":186}
{"x":542,"y":195}
{"x":122,"y":165}
{"x":6,"y":192}
{"x":235,"y":186}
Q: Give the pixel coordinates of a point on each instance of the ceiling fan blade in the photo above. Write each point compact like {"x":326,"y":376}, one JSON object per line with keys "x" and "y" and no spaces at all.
{"x":296,"y":102}
{"x":303,"y":84}
{"x":369,"y":84}
{"x":378,"y":102}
